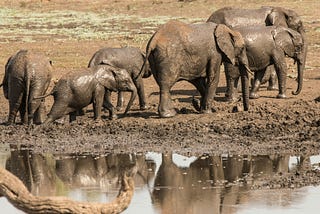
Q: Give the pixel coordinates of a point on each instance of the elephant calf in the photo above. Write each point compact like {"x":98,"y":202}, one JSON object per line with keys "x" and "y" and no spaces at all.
{"x":129,"y":58}
{"x":27,"y":75}
{"x":78,"y":89}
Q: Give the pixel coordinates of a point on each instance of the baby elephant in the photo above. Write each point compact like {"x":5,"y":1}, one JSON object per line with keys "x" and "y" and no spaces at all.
{"x":78,"y":89}
{"x":129,"y":58}
{"x":27,"y":75}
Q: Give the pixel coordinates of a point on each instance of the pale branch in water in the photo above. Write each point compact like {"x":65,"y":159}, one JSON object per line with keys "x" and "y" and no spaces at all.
{"x":16,"y":192}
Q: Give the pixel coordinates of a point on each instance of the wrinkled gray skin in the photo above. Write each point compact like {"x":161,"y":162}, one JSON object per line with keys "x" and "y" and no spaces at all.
{"x":178,"y":51}
{"x":27,"y":75}
{"x":276,"y":42}
{"x":78,"y":89}
{"x":264,"y":16}
{"x":129,"y":58}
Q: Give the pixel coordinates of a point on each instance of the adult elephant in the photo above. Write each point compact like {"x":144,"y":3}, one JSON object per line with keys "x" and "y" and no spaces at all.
{"x":130,"y":59}
{"x":78,"y":89}
{"x":193,"y":52}
{"x":27,"y":75}
{"x":268,"y":45}
{"x":264,"y":16}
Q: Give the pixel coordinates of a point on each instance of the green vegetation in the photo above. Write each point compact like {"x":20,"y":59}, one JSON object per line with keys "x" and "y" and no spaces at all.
{"x":28,"y":26}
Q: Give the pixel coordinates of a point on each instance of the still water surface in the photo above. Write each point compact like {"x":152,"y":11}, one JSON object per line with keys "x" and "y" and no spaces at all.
{"x":166,"y":183}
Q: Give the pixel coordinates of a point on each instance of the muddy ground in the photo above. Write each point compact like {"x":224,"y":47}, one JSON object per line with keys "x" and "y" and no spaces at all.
{"x":271,"y":126}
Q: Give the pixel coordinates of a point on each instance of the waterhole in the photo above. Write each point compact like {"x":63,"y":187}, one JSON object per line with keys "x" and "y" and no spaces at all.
{"x":172,"y":183}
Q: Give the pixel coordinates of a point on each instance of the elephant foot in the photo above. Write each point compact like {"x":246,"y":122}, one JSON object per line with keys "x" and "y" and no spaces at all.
{"x":118,"y":108}
{"x":253,"y":95}
{"x":206,"y":111}
{"x":98,"y":122}
{"x":113,"y":117}
{"x":8,"y":123}
{"x":168,"y":113}
{"x":233,"y":99}
{"x":281,"y":96}
{"x":272,"y":88}
{"x":195,"y":104}
{"x":143,"y":107}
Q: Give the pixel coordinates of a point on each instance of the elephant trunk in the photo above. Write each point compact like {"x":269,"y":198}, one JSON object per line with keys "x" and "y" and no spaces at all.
{"x":133,"y":96}
{"x":300,"y":68}
{"x":244,"y":69}
{"x":301,"y":61}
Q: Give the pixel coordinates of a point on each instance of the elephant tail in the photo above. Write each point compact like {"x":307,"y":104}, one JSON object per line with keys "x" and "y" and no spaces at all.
{"x":149,"y":48}
{"x":43,"y":96}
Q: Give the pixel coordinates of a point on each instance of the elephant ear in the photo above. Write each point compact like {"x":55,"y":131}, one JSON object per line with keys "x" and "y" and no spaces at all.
{"x":228,"y":40}
{"x":292,"y":47}
{"x":276,"y":17}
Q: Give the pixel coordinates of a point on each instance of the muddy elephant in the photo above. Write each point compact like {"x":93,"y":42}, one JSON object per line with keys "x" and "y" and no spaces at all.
{"x":129,"y":58}
{"x":78,"y":89}
{"x":264,"y":16}
{"x":193,"y":52}
{"x":269,"y":45}
{"x":27,"y":75}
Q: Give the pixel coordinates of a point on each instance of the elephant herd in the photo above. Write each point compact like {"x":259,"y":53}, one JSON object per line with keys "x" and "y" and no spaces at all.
{"x":246,"y":41}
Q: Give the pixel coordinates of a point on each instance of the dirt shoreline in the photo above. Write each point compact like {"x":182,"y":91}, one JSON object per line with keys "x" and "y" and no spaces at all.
{"x":271,"y":126}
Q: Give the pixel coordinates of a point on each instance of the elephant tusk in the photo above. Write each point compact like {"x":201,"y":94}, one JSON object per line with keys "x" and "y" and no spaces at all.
{"x":249,"y":70}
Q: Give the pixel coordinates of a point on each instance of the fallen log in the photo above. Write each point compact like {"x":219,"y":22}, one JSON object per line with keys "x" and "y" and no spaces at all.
{"x":18,"y":195}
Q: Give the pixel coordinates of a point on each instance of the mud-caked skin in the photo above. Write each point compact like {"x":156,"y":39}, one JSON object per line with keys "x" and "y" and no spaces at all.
{"x":80,"y":88}
{"x":129,"y":58}
{"x":270,"y":46}
{"x":27,"y":75}
{"x":179,"y":51}
{"x":264,"y":16}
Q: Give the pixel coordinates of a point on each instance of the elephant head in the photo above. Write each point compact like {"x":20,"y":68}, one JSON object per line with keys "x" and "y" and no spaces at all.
{"x":288,"y":18}
{"x":120,"y":81}
{"x":285,"y":17}
{"x":232,"y":44}
{"x":292,"y":43}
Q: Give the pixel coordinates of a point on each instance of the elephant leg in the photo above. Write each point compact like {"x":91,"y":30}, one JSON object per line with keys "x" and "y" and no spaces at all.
{"x":107,"y":98}
{"x":165,"y":108}
{"x":33,"y":105}
{"x":140,"y":89}
{"x":213,"y":75}
{"x":15,"y":101}
{"x":232,"y":77}
{"x":98,"y":99}
{"x":59,"y":109}
{"x":273,"y":79}
{"x":40,"y":114}
{"x":120,"y":101}
{"x":281,"y":70}
{"x":72,"y":116}
{"x":108,"y":105}
{"x":258,"y":75}
{"x":22,"y":112}
{"x":200,"y":84}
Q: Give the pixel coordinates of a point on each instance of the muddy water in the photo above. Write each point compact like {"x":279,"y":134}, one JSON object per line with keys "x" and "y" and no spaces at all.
{"x":170,"y":183}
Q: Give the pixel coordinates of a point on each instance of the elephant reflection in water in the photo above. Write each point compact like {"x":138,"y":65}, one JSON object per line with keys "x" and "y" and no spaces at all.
{"x":102,"y":171}
{"x":210,"y":184}
{"x":34,"y":170}
{"x":43,"y":175}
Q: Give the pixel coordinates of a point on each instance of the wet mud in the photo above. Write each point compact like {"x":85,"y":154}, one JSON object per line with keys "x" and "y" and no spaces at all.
{"x":271,"y":126}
